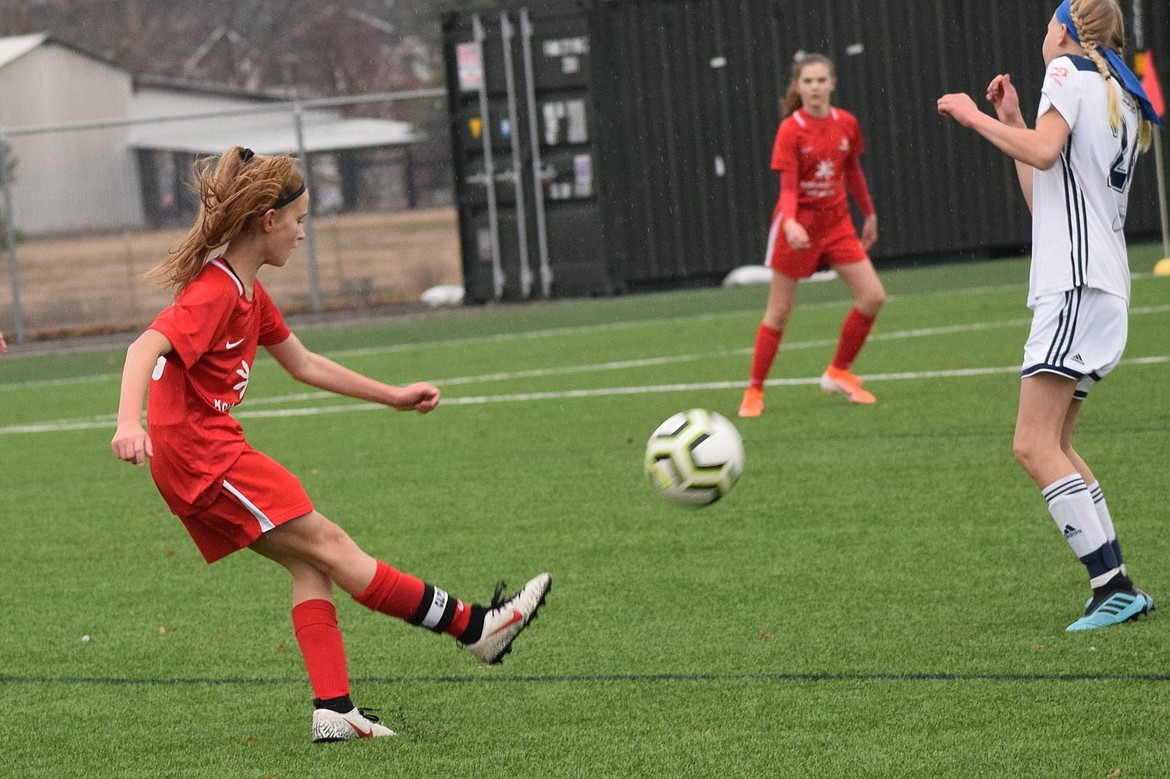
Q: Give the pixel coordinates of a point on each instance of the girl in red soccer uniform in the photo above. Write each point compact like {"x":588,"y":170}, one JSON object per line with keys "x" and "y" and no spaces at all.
{"x":817,"y":153}
{"x":196,"y":359}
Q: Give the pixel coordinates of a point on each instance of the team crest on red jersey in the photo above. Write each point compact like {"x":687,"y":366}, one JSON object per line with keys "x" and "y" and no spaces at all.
{"x":245,"y":374}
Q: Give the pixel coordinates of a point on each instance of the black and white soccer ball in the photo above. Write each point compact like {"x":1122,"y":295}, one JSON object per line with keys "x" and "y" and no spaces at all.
{"x":694,"y":457}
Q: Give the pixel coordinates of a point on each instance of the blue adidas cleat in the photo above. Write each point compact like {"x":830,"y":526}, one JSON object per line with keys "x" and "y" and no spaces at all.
{"x":1114,"y":609}
{"x":1149,"y":600}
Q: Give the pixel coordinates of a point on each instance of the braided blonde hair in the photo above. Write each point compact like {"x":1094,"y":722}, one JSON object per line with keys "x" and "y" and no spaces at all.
{"x":1101,"y":25}
{"x":239,"y":189}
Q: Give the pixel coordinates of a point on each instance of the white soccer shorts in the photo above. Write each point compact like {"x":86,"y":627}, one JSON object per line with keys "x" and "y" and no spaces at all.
{"x":1079,"y":334}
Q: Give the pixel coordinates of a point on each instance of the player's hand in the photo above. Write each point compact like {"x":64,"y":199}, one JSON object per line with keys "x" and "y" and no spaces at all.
{"x":3,"y":346}
{"x":420,"y":397}
{"x":1002,"y":95}
{"x":959,"y":107}
{"x":132,"y":444}
{"x":796,"y":235}
{"x":869,"y":231}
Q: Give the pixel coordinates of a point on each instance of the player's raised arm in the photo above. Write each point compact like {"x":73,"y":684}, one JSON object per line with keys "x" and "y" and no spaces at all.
{"x":1039,"y":148}
{"x":1002,"y":95}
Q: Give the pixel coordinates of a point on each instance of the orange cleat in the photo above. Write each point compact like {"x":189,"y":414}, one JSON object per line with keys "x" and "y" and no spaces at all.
{"x":753,"y":402}
{"x":839,"y":382}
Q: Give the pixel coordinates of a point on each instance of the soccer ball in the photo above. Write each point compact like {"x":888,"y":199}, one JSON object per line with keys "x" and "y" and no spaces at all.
{"x":695,"y":457}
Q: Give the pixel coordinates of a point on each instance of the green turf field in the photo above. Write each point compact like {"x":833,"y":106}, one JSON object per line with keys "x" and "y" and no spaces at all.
{"x":882,"y":595}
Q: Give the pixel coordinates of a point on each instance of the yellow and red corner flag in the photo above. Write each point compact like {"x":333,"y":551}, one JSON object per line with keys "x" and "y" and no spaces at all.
{"x":1151,"y":85}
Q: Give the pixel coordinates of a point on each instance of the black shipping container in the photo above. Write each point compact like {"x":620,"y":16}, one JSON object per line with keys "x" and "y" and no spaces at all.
{"x":610,"y":145}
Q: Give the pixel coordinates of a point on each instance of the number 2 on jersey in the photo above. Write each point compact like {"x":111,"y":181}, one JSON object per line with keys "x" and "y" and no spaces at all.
{"x":1122,"y":166}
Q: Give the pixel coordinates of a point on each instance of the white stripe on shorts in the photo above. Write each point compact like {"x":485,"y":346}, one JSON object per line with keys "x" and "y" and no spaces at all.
{"x":773,"y":236}
{"x":264,"y":521}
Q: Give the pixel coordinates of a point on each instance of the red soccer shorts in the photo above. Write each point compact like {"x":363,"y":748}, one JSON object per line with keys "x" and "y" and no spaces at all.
{"x":258,"y":494}
{"x":834,"y":242}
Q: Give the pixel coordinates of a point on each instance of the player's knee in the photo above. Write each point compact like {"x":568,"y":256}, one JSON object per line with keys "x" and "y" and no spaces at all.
{"x":776,"y":321}
{"x":325,"y":544}
{"x":871,"y":301}
{"x":1021,"y":453}
{"x":777,"y":313}
{"x":1029,"y":453}
{"x":334,"y":542}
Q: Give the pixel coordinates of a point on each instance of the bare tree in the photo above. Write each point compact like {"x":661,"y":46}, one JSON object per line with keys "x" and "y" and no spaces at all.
{"x":302,"y":46}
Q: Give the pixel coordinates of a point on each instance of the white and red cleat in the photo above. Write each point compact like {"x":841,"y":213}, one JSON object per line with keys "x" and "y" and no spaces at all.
{"x":334,"y":726}
{"x":506,"y":618}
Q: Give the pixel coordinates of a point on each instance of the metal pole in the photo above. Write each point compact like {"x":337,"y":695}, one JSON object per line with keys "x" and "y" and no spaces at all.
{"x":546,"y":274}
{"x":1161,"y":165}
{"x":310,"y":233}
{"x":526,"y":278}
{"x":489,"y":166}
{"x":10,"y":237}
{"x":1139,"y":45}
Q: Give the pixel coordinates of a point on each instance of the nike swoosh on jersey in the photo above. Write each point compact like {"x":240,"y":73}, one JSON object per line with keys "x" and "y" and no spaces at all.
{"x":233,"y":345}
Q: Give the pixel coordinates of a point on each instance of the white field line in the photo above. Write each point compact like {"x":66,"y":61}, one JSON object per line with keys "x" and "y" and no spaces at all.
{"x":566,"y":370}
{"x":606,"y":366}
{"x":105,"y":422}
{"x":470,"y":341}
{"x":609,"y":326}
{"x":650,"y":362}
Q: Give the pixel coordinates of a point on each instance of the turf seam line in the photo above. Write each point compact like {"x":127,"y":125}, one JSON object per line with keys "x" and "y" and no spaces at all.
{"x":602,"y":678}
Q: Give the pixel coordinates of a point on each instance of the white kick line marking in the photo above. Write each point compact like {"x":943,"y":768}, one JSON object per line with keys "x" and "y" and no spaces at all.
{"x":608,"y":326}
{"x":104,"y":421}
{"x":97,"y":423}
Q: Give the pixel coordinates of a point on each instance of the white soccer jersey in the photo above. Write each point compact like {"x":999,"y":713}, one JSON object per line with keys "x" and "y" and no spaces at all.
{"x":1079,"y":204}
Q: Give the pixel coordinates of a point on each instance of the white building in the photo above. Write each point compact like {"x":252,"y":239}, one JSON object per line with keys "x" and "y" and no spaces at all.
{"x":136,"y":138}
{"x":66,"y":181}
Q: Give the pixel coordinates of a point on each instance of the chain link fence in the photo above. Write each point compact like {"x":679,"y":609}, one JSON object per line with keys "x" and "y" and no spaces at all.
{"x":88,"y":208}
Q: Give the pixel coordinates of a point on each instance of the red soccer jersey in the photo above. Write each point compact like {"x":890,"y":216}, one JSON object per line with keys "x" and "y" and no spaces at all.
{"x":822,"y":154}
{"x":215,"y":331}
